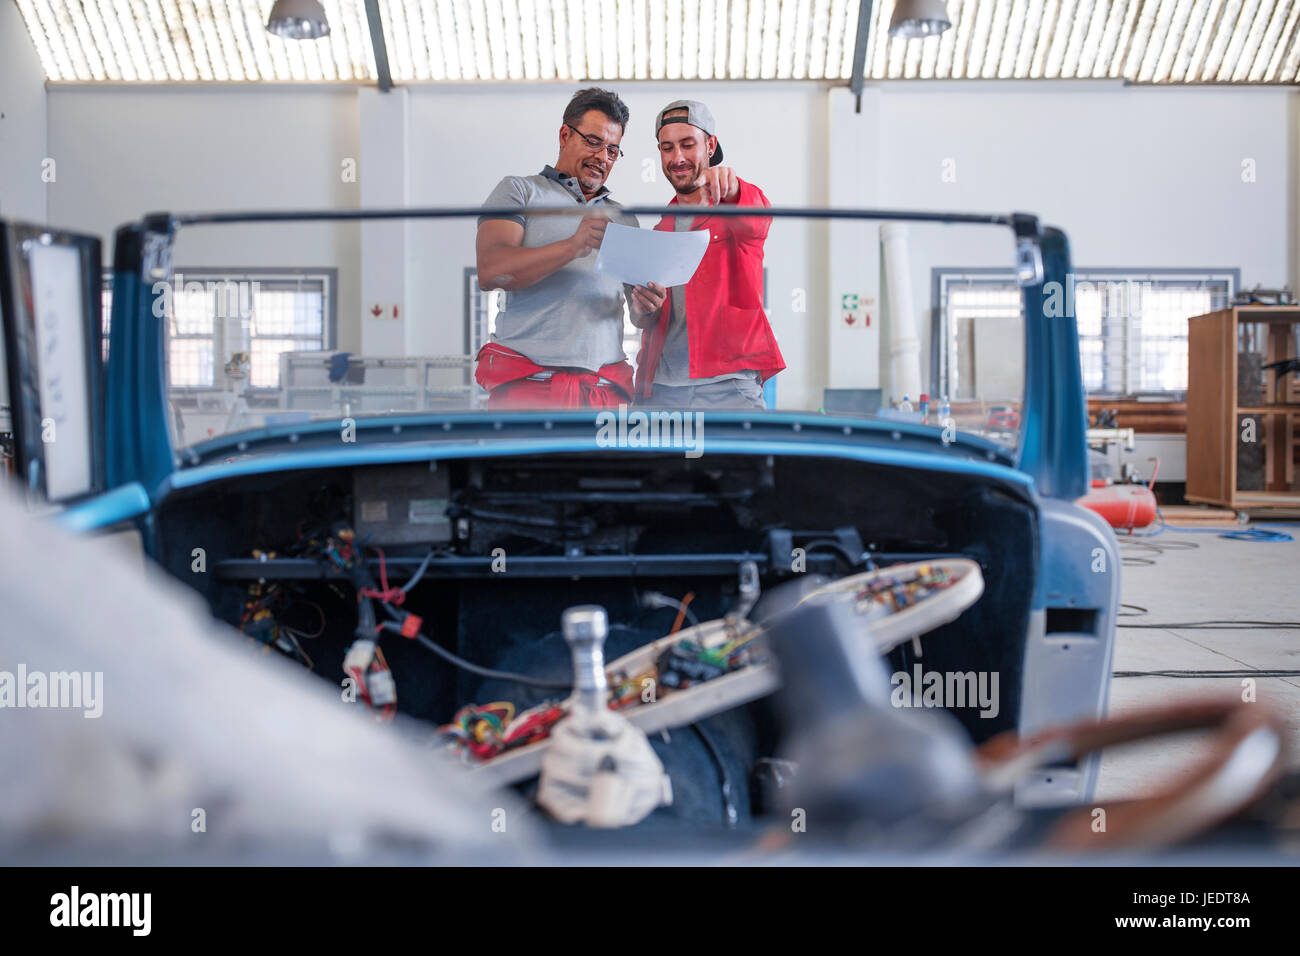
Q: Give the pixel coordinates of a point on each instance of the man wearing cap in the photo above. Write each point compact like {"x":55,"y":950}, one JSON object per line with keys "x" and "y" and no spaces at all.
{"x":710,"y":346}
{"x":559,"y":335}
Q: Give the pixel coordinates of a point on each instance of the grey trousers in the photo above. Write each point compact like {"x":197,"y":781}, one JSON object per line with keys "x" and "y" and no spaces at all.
{"x":740,"y":394}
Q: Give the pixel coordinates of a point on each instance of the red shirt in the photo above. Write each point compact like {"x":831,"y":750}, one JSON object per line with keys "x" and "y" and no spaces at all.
{"x":727,"y":329}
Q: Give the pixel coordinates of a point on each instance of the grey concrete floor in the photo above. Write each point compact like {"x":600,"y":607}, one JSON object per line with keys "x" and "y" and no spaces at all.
{"x":1219,"y":579}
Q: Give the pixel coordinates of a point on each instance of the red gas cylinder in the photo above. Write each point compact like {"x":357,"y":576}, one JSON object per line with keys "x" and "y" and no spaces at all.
{"x":1123,"y":506}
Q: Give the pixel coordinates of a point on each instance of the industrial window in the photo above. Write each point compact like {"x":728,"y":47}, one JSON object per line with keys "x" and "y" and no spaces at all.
{"x":1132,"y":325}
{"x":215,"y":314}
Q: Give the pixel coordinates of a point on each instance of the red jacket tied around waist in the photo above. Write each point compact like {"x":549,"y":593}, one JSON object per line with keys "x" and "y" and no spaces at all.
{"x":505,"y":374}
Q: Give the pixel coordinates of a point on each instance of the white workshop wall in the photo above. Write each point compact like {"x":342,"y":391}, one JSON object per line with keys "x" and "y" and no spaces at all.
{"x":1136,"y":177}
{"x":22,"y":121}
{"x":125,"y":152}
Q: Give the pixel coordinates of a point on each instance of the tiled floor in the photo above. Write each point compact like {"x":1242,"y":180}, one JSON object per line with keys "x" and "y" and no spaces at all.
{"x":1219,"y":579}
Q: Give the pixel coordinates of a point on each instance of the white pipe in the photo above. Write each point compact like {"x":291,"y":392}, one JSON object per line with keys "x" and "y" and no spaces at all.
{"x":904,"y":346}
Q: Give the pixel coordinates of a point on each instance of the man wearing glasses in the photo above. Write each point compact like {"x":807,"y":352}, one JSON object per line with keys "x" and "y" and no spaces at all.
{"x":559,"y":335}
{"x":711,"y":345}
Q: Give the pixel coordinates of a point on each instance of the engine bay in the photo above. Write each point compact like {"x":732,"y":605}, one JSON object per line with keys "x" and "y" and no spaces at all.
{"x":437,"y":589}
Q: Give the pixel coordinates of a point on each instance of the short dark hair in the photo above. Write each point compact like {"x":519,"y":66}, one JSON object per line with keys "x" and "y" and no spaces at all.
{"x":594,"y":98}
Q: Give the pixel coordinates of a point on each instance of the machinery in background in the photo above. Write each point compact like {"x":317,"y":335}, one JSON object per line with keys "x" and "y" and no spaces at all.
{"x":1126,"y":503}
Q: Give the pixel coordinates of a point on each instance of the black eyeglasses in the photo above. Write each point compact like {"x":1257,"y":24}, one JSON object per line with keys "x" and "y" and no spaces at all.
{"x":596,"y":143}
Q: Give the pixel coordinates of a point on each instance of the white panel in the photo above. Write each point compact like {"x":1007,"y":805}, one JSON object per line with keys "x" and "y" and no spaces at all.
{"x":721,"y":38}
{"x":50,"y":61}
{"x":196,"y":41}
{"x":736,"y":44}
{"x":964,"y":29}
{"x":673,"y":40}
{"x":1083,"y":18}
{"x":1238,"y":42}
{"x":771,"y":31}
{"x":1109,"y":37}
{"x":1188,"y":42}
{"x":1173,"y":44}
{"x":640,"y":43}
{"x":942,"y":66}
{"x":1120,"y":62}
{"x":878,"y":55}
{"x":817,"y":43}
{"x":591,"y":39}
{"x":72,"y":16}
{"x":496,"y":38}
{"x":754,"y":39}
{"x":1250,"y":51}
{"x":1015,"y":28}
{"x":512,"y":27}
{"x":560,"y":30}
{"x":790,"y":35}
{"x":996,"y":39}
{"x":1290,"y":70}
{"x":608,"y":27}
{"x":1227,"y":22}
{"x":707,"y":21}
{"x":1061,"y":38}
{"x":432,"y":15}
{"x":979,"y":41}
{"x":691,"y":40}
{"x":1155,"y":41}
{"x":850,"y":41}
{"x":109,"y":51}
{"x":929,"y":55}
{"x":1280,"y":48}
{"x":1038,"y":62}
{"x":547,"y":50}
{"x":230,"y":17}
{"x":1268,"y":43}
{"x":658,"y":39}
{"x":626,"y":49}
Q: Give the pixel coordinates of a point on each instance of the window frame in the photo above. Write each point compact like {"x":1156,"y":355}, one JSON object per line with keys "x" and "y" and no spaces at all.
{"x":1127,"y":340}
{"x":188,"y":395}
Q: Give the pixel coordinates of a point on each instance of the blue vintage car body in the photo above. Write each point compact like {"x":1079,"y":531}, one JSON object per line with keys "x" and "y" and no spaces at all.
{"x":1065,"y":642}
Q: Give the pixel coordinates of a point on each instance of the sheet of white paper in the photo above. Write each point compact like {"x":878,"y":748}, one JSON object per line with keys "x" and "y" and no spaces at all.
{"x":638,"y":256}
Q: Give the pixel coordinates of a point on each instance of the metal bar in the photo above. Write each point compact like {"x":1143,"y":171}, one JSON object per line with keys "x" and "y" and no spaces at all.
{"x":377,"y":44}
{"x":467,"y":212}
{"x":451,"y":566}
{"x":616,"y":565}
{"x":857,"y":79}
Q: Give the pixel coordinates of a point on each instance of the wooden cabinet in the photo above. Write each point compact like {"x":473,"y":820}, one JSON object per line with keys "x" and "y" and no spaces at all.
{"x":1241,"y":419}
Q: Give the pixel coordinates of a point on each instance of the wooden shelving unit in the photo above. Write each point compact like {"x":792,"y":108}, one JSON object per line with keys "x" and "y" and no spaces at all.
{"x":1219,"y":404}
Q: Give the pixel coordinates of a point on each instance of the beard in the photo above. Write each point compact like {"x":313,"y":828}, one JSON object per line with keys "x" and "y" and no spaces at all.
{"x":591,"y":177}
{"x":685,"y":181}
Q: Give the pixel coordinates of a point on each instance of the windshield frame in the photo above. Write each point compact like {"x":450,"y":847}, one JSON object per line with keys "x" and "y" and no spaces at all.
{"x":140,"y":439}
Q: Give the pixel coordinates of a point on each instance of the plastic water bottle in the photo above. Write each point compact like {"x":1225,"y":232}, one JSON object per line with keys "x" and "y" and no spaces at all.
{"x":945,"y":410}
{"x":906,"y":406}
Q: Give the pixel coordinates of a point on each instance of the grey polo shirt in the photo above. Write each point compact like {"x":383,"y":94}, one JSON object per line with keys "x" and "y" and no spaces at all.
{"x":573,"y":318}
{"x":675,"y":363}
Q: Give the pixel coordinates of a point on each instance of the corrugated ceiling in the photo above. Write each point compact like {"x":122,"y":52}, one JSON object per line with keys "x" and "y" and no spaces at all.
{"x":1142,"y":41}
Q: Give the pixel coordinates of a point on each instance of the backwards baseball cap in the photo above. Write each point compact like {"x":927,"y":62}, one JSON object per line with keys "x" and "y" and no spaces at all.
{"x":698,"y":115}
